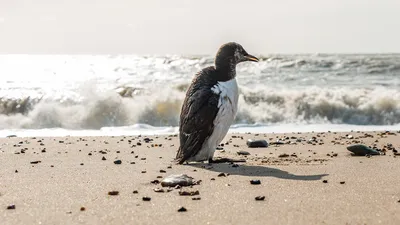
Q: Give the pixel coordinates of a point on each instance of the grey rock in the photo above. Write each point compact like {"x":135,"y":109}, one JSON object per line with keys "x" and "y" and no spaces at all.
{"x":257,"y":143}
{"x":362,"y":150}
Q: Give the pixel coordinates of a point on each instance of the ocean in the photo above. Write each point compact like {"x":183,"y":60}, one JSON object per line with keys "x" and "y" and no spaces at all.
{"x":95,"y":95}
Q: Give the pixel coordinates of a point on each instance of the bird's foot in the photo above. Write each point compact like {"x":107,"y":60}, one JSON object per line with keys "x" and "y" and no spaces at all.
{"x":225,"y":160}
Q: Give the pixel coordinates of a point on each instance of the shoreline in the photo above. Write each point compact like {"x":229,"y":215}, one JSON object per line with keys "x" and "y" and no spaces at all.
{"x":64,"y":180}
{"x":144,"y":129}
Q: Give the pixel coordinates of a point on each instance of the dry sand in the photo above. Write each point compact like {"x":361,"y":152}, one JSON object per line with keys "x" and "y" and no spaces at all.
{"x":70,"y":174}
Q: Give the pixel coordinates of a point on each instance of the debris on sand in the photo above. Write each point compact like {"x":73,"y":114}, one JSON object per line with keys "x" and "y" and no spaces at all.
{"x":177,"y":179}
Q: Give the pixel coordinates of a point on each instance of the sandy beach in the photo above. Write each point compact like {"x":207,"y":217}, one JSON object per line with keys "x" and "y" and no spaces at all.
{"x":306,"y":178}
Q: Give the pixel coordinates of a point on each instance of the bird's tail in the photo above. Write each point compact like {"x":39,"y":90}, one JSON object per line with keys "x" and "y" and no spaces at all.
{"x":179,"y":158}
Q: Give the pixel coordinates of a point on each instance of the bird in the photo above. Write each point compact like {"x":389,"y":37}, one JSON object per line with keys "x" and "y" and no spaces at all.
{"x":210,"y":105}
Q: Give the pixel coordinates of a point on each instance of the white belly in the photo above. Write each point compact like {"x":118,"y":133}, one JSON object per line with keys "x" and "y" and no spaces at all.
{"x":228,"y":101}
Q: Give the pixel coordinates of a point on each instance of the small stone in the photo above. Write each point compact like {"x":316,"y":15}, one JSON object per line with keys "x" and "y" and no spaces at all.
{"x":255,"y":182}
{"x":257,"y":143}
{"x":155,"y":181}
{"x":104,"y":158}
{"x":198,"y":198}
{"x":182,"y":209}
{"x":243,"y":153}
{"x":189,"y":193}
{"x":260,"y":198}
{"x":113,"y":193}
{"x":11,"y":207}
{"x":325,"y":181}
{"x":222,"y":175}
{"x":158,"y":190}
{"x":163,"y":171}
{"x":89,"y":153}
{"x":135,"y":192}
{"x":342,"y":182}
{"x":83,"y":208}
{"x":146,"y":198}
{"x":284,"y":155}
{"x":35,"y":162}
{"x":117,"y":162}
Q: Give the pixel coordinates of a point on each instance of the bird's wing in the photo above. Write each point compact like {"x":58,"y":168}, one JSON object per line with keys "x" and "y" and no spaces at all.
{"x":196,"y":121}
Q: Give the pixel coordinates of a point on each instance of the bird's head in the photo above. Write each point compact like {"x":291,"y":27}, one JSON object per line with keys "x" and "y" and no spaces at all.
{"x":231,"y":54}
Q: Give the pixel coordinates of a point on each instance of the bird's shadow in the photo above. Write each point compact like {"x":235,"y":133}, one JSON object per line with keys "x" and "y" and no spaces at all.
{"x":257,"y":171}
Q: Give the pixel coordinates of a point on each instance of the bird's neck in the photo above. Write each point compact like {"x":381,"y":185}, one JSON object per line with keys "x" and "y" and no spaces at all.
{"x":227,"y":71}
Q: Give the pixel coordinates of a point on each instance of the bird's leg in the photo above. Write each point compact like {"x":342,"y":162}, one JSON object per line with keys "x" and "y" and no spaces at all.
{"x":225,"y":160}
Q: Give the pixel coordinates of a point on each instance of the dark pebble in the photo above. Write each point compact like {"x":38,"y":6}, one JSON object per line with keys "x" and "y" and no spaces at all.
{"x":222,"y":175}
{"x":117,"y":162}
{"x":83,"y":208}
{"x":163,"y":171}
{"x":189,"y":193}
{"x":260,"y":198}
{"x":257,"y":143}
{"x":325,"y":181}
{"x":255,"y":182}
{"x":35,"y":162}
{"x":104,"y":158}
{"x":198,"y":198}
{"x":342,"y":182}
{"x":243,"y":153}
{"x":135,"y":192}
{"x":362,"y":150}
{"x":182,"y":209}
{"x":11,"y":207}
{"x":155,"y":181}
{"x":113,"y":193}
{"x":146,"y":199}
{"x":284,"y":155}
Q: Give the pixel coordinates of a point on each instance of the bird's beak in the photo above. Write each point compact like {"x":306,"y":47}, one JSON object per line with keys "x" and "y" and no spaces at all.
{"x":251,"y":58}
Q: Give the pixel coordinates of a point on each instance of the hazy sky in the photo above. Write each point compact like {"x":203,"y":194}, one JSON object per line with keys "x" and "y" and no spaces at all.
{"x":199,"y":26}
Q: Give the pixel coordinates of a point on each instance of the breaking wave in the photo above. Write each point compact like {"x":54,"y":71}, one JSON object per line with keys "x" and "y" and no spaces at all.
{"x":162,"y":108}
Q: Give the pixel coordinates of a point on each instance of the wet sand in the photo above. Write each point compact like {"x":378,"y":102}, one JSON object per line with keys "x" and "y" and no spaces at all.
{"x":304,"y":180}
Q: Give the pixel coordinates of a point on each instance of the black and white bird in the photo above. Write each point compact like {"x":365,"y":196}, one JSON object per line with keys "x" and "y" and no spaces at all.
{"x":210,"y":105}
